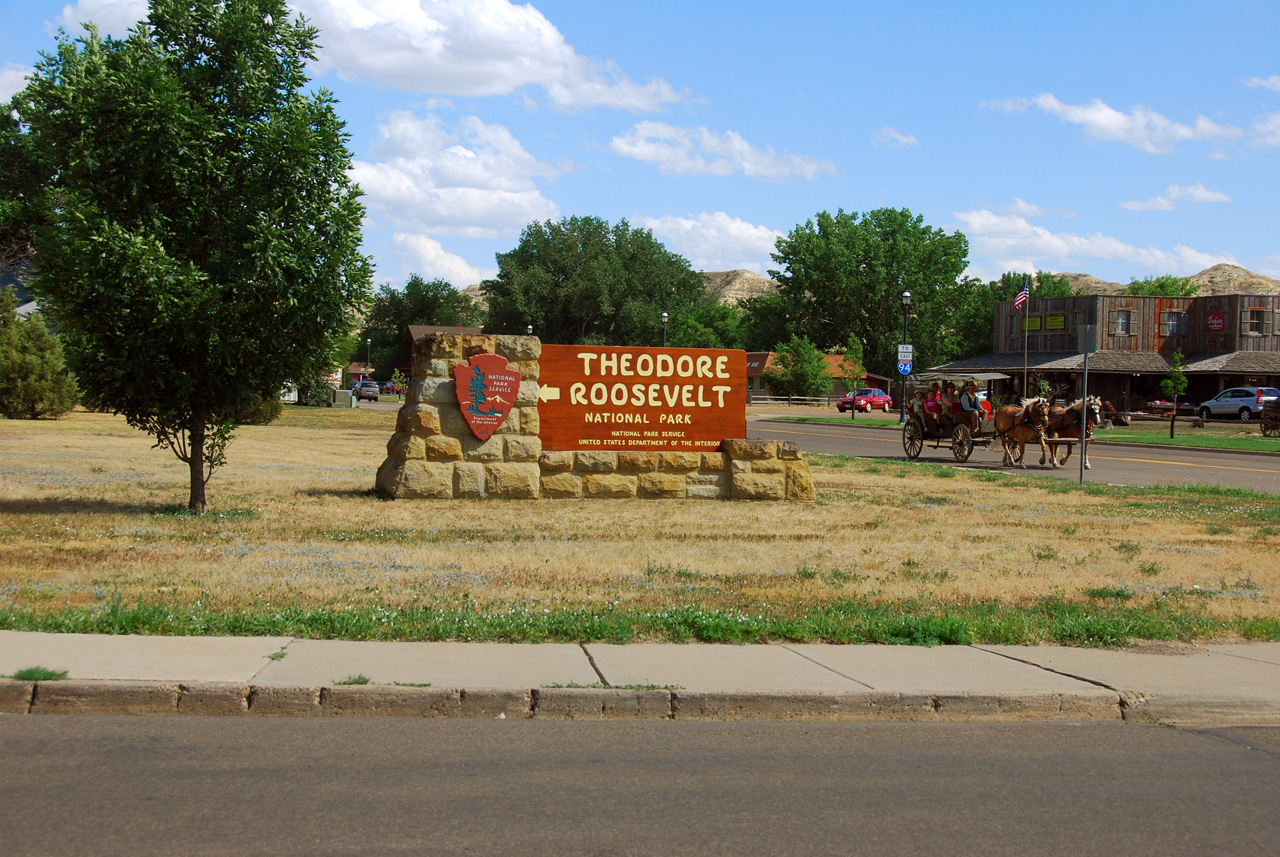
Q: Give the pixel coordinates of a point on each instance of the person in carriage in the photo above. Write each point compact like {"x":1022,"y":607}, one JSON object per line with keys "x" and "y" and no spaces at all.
{"x":971,"y":407}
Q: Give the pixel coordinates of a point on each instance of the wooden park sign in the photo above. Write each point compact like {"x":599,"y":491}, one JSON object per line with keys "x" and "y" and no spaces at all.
{"x":619,"y":399}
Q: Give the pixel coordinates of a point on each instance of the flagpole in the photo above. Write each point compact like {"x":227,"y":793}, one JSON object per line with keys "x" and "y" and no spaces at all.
{"x":1026,"y":313}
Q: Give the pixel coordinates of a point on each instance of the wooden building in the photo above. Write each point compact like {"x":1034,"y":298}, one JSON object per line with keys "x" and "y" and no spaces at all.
{"x":1225,"y":341}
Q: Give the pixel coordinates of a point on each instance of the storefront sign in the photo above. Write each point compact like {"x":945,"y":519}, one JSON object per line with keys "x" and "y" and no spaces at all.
{"x":618,"y":399}
{"x":1032,"y":323}
{"x":1217,"y":321}
{"x":1055,"y":322}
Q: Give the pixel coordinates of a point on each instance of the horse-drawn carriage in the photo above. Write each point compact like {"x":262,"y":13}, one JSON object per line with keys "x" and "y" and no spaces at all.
{"x":1271,"y":418}
{"x":1012,"y":426}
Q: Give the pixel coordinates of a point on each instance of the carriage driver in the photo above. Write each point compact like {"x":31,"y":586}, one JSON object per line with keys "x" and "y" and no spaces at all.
{"x":971,"y":406}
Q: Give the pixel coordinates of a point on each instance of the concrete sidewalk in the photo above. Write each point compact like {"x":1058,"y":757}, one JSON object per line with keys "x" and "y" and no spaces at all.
{"x":1214,"y":684}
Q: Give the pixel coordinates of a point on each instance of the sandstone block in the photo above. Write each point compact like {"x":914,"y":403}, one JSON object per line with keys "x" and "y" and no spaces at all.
{"x":714,"y":462}
{"x":555,"y":461}
{"x":800,"y":481}
{"x":561,"y":486}
{"x":406,"y":480}
{"x":530,"y":422}
{"x":790,"y":450}
{"x":434,"y":391}
{"x":637,"y":462}
{"x":670,"y":486}
{"x":517,"y":481}
{"x":707,"y":492}
{"x":751,"y":450}
{"x":406,"y":446}
{"x":596,"y":462}
{"x":519,"y":348}
{"x":736,"y":466}
{"x":440,"y":368}
{"x":679,"y":462}
{"x":511,"y":425}
{"x":529,"y":370}
{"x":442,"y":448}
{"x":769,"y":465}
{"x":468,"y":481}
{"x":605,"y":486}
{"x":758,"y":486}
{"x":477,"y":343}
{"x":528,"y":395}
{"x":720,"y":480}
{"x":418,"y":419}
{"x":522,"y":447}
{"x":440,"y":346}
{"x":473,"y":449}
{"x":452,"y":422}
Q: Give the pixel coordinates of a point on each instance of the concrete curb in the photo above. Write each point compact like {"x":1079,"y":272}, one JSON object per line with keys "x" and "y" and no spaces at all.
{"x":139,"y":698}
{"x":1189,"y":710}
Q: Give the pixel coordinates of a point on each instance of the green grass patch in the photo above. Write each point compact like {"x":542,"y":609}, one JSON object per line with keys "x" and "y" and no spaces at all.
{"x":39,"y":674}
{"x":846,"y":620}
{"x":1208,"y":438}
{"x":360,"y":678}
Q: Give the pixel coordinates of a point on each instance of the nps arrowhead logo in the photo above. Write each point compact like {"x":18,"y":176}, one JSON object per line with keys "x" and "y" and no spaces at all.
{"x":486,"y":391}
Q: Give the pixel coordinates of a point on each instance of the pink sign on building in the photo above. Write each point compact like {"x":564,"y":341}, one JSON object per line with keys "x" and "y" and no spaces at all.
{"x":1217,"y":321}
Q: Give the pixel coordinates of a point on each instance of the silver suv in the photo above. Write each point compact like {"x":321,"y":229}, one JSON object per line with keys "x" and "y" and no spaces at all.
{"x":1242,"y":402}
{"x":367,"y":390}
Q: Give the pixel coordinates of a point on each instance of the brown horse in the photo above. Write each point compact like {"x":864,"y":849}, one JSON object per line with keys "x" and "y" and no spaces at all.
{"x":1017,"y":424}
{"x":1066,"y":422}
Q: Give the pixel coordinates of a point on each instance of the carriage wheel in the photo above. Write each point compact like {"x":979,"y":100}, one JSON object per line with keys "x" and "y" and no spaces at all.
{"x":961,"y":443}
{"x":912,"y":439}
{"x":1271,"y":425}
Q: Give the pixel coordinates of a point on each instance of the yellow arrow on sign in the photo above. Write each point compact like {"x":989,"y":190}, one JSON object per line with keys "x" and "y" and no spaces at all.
{"x":546,"y":394}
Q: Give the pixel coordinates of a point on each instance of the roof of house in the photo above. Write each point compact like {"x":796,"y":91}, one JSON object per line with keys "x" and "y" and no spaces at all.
{"x":1147,"y":362}
{"x":414,"y":332}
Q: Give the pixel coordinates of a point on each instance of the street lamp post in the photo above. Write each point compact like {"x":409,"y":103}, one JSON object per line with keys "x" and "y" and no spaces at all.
{"x":906,"y":306}
{"x":529,"y":330}
{"x":368,"y":353}
{"x":664,"y":330}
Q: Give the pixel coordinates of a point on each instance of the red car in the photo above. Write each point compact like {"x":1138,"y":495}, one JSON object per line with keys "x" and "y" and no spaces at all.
{"x":865,"y":400}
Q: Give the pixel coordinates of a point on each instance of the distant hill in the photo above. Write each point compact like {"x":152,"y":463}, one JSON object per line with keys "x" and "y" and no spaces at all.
{"x":733,"y":287}
{"x":1218,"y":280}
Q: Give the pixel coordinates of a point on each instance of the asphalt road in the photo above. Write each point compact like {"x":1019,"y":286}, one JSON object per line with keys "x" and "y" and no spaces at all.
{"x":1121,"y":464}
{"x":131,"y":786}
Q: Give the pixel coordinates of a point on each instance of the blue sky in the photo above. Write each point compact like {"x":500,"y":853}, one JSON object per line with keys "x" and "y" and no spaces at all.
{"x":1117,"y":139}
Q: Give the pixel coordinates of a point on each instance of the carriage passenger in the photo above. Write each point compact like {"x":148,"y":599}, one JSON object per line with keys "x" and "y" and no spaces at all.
{"x":917,"y":407}
{"x":971,"y":407}
{"x":949,"y":405}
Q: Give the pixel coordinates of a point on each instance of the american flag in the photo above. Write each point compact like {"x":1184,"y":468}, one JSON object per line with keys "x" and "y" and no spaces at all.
{"x":1023,"y":295}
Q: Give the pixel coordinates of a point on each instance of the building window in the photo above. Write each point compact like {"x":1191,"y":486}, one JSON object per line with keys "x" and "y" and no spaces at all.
{"x":1255,"y":322}
{"x":1175,"y":324}
{"x":1122,"y":322}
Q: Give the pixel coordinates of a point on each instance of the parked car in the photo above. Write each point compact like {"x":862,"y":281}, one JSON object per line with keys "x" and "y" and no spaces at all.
{"x":1245,"y":403}
{"x":367,"y":390}
{"x":865,"y":400}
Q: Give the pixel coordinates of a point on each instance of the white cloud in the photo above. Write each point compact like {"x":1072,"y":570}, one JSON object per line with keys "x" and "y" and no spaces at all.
{"x":1166,"y":201}
{"x":1023,"y":208}
{"x":1272,"y":82}
{"x":701,"y":152}
{"x":474,"y":179}
{"x":1143,"y":128}
{"x":714,"y":242}
{"x":1268,"y":129}
{"x":893,"y":138}
{"x":13,"y":79}
{"x":113,"y":17}
{"x":1012,"y":240}
{"x":470,"y":48}
{"x":424,"y":256}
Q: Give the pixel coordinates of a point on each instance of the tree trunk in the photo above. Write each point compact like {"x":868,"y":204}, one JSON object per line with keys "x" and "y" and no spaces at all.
{"x":195,"y":461}
{"x":1174,"y":417}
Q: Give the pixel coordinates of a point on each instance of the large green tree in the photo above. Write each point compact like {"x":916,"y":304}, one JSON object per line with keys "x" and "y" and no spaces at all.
{"x":199,"y":234}
{"x":800,"y":369}
{"x":1163,"y":286}
{"x":971,"y":328}
{"x":419,"y":302}
{"x":845,"y":273}
{"x":33,"y":378}
{"x":584,"y":281}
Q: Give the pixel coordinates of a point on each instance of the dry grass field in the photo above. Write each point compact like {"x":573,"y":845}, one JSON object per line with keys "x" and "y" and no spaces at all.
{"x":91,"y":515}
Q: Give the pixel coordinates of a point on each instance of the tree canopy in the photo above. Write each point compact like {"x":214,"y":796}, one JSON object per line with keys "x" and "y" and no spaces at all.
{"x":421,"y":301}
{"x":34,"y":382}
{"x":198,"y":237}
{"x":583,"y":281}
{"x":1163,"y":286}
{"x":846,"y":273}
{"x":800,"y":369}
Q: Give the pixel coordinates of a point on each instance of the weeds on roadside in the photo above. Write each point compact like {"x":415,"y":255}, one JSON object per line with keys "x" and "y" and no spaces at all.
{"x":39,"y":674}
